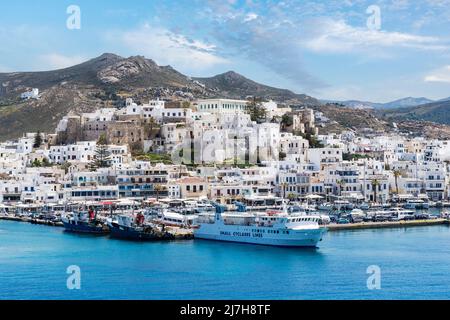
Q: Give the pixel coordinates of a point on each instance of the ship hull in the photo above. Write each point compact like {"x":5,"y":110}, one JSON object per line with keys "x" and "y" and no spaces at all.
{"x":85,"y":228}
{"x":245,"y":234}
{"x":127,"y":233}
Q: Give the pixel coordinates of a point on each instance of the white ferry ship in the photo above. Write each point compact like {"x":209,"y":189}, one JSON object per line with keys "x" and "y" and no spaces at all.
{"x":263,"y":229}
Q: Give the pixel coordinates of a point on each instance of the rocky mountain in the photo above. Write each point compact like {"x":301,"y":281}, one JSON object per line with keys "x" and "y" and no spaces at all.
{"x":234,"y":85}
{"x":106,"y":81}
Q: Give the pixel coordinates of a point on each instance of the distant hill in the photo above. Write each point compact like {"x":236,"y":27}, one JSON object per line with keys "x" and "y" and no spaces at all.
{"x":406,"y":102}
{"x":236,"y":86}
{"x":106,"y":81}
{"x":359,"y":120}
{"x":401,"y":103}
{"x":438,"y":112}
{"x":355,"y":104}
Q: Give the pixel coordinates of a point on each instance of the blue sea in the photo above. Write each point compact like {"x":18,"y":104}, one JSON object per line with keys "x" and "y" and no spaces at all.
{"x":414,"y":264}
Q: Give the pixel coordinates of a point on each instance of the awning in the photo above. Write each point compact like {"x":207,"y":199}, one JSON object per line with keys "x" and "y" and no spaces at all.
{"x":313,"y":196}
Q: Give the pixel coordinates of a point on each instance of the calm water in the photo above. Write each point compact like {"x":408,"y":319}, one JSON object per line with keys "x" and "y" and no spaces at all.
{"x":415,"y":263}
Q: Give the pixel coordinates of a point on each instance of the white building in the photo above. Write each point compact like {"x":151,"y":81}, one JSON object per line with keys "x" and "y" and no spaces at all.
{"x":221,"y":105}
{"x":33,"y":94}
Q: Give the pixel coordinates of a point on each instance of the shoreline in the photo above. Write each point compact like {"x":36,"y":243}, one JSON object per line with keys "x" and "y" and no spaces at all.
{"x":33,"y":221}
{"x":387,"y":224}
{"x":330,"y":228}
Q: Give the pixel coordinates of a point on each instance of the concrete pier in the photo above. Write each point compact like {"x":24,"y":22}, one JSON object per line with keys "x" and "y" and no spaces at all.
{"x":33,"y":221}
{"x":181,"y":233}
{"x":387,"y":224}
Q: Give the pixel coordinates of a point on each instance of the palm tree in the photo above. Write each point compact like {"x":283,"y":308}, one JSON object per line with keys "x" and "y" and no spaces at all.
{"x":375,"y":185}
{"x":341,"y":184}
{"x":284,"y":185}
{"x":151,"y":126}
{"x":291,"y":196}
{"x":397,"y":174}
{"x":158,"y":188}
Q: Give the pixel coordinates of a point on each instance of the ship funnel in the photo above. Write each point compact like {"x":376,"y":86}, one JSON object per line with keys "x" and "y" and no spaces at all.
{"x":219,"y":209}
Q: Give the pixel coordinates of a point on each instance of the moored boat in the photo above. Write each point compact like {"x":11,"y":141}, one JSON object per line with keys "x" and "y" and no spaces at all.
{"x":264,"y":229}
{"x":325,"y":207}
{"x":130,"y":227}
{"x":415,"y":204}
{"x":84,"y":222}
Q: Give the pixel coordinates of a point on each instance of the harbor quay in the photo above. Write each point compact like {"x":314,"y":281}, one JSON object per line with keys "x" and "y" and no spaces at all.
{"x":392,"y":224}
{"x":331,"y":227}
{"x":224,"y":159}
{"x":170,"y":221}
{"x":209,"y":170}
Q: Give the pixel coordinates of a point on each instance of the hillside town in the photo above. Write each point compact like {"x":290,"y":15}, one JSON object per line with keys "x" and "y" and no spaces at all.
{"x":218,"y":149}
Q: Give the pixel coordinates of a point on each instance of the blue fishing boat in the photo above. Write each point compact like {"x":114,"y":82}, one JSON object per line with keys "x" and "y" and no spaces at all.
{"x":84,"y":222}
{"x":135,"y":228}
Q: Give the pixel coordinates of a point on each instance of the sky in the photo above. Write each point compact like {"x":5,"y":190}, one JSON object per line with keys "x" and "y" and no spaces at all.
{"x":375,"y":51}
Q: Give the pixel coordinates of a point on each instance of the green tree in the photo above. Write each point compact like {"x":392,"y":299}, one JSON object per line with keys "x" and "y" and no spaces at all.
{"x":186,"y":105}
{"x":66,"y":166}
{"x":397,"y":174}
{"x":36,"y":163}
{"x":46,"y":163}
{"x":291,"y":196}
{"x":37,"y":140}
{"x":312,"y":139}
{"x":255,"y":109}
{"x":102,"y":154}
{"x":287,"y":121}
{"x":159,"y":188}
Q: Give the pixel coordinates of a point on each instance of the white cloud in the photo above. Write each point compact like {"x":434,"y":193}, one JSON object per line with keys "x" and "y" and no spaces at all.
{"x":59,"y":61}
{"x":250,"y":17}
{"x":328,"y":35}
{"x":167,"y":47}
{"x":440,"y":75}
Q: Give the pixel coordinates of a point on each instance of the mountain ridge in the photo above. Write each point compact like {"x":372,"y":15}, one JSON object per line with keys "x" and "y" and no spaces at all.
{"x":241,"y":86}
{"x":438,"y":112}
{"x":105,"y":81}
{"x":399,"y":103}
